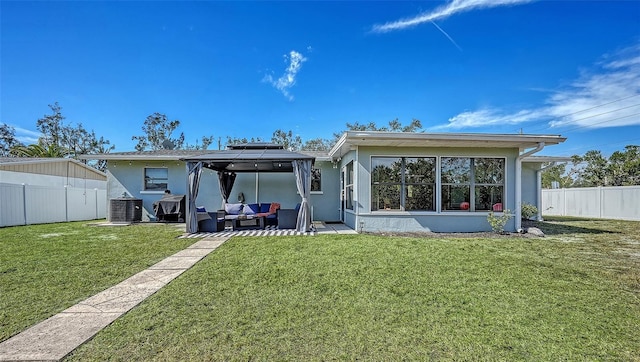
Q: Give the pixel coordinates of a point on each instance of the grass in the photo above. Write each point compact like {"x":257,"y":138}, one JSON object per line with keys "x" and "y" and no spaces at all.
{"x":573,"y":295}
{"x":47,"y":268}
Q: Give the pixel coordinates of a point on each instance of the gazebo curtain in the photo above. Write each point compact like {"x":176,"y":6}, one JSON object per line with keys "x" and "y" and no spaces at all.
{"x":195,"y":171}
{"x":226,"y":180}
{"x":302,"y":171}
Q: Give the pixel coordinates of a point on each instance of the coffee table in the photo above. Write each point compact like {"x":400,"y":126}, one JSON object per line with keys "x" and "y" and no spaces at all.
{"x":248,"y":222}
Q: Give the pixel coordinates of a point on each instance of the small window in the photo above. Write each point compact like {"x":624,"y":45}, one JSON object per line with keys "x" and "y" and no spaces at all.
{"x":316,"y":180}
{"x":156,"y":179}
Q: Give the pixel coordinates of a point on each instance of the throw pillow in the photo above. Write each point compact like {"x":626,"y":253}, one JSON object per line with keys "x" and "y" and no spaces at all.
{"x":248,"y":210}
{"x":233,"y":209}
{"x":274,"y":207}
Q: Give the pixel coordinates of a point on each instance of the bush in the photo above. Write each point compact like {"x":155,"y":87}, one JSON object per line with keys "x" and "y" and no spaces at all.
{"x":528,"y":211}
{"x":498,"y":222}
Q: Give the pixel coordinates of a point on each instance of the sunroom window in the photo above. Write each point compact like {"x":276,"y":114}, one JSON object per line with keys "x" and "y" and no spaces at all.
{"x":472,"y":184}
{"x":403,"y":183}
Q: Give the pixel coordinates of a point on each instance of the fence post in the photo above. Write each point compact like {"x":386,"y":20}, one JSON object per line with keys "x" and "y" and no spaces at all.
{"x":66,"y":203}
{"x":601,"y":202}
{"x":24,"y":203}
{"x":95,"y":192}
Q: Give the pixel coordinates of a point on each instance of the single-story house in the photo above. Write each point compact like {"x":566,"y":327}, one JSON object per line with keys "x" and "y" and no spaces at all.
{"x":371,"y":181}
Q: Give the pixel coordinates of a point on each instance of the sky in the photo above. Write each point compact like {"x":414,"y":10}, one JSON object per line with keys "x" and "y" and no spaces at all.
{"x":246,"y":69}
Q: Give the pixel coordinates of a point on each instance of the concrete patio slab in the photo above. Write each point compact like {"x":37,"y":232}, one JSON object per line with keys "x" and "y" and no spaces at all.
{"x":56,"y":337}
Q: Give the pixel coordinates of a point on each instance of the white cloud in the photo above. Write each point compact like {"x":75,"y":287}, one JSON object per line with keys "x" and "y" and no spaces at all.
{"x":288,"y":79}
{"x":606,"y":97}
{"x":27,"y":136}
{"x":442,"y":12}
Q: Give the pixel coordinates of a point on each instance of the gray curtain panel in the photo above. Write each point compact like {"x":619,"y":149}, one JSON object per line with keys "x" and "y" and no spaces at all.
{"x":302,"y":170}
{"x":226,"y":180}
{"x":195,"y":171}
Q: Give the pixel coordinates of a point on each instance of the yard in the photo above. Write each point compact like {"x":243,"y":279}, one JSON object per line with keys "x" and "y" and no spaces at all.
{"x":47,"y":268}
{"x":573,"y":295}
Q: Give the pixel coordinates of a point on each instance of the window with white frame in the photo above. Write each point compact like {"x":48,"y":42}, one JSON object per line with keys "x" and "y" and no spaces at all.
{"x":156,"y":178}
{"x":472,"y":184}
{"x":403,"y":183}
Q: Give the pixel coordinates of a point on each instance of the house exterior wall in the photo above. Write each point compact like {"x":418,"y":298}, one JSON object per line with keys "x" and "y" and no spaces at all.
{"x":530,"y":184}
{"x":326,"y":203}
{"x":363,"y":219}
{"x":127,"y":178}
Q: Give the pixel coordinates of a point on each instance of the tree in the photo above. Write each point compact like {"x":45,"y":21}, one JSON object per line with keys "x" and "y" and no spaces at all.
{"x":65,"y":139}
{"x":393,"y":126}
{"x":317,"y":144}
{"x":290,"y":142}
{"x":624,"y":167}
{"x":238,"y":140}
{"x":8,"y":140}
{"x":591,"y":169}
{"x":556,"y":173}
{"x":40,"y":151}
{"x":51,"y":127}
{"x":206,"y":142}
{"x":158,"y":130}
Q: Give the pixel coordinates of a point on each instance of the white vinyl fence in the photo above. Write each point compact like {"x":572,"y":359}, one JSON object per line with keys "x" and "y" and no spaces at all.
{"x":33,"y":204}
{"x":621,"y":202}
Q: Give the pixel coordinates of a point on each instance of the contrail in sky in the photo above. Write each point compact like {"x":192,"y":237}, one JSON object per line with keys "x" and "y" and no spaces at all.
{"x":447,"y":35}
{"x":454,"y":7}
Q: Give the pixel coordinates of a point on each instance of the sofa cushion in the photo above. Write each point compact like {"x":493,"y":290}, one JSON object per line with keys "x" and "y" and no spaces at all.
{"x":264,"y":207}
{"x":248,"y":210}
{"x":233,"y":209}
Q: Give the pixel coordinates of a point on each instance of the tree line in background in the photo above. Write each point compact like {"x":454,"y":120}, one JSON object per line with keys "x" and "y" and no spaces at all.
{"x":60,"y":139}
{"x":593,"y":169}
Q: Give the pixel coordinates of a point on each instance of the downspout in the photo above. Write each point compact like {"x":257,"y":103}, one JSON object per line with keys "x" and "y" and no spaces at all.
{"x":356,"y":189}
{"x":519,"y":183}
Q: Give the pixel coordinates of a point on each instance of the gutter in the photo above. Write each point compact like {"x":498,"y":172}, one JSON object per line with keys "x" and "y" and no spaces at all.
{"x":519,"y":183}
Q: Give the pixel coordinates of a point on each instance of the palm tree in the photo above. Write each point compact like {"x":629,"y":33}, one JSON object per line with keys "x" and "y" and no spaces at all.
{"x":38,"y":150}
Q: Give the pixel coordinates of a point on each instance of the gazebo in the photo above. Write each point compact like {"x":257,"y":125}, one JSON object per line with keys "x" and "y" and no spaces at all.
{"x":249,"y":157}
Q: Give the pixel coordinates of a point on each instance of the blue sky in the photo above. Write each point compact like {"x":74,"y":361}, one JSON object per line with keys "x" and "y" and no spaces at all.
{"x":245,"y":69}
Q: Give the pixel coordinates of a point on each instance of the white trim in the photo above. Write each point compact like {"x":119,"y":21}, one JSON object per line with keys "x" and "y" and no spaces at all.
{"x":151,"y":192}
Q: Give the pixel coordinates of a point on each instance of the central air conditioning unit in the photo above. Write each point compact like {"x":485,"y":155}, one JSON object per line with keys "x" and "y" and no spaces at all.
{"x":125,"y":209}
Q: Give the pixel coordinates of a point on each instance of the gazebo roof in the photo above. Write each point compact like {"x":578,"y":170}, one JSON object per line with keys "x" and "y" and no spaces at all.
{"x":250,"y":157}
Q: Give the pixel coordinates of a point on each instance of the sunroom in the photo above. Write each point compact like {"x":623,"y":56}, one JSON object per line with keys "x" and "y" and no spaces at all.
{"x":417,"y":182}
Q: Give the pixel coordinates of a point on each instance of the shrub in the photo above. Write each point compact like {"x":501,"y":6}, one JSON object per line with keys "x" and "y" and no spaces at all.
{"x":498,"y":222}
{"x":528,"y":210}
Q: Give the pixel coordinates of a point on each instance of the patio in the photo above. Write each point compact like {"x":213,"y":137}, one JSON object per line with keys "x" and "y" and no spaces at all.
{"x":318,"y":228}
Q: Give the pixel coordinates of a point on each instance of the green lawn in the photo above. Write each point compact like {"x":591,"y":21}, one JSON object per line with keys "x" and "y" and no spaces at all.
{"x":574,"y":295}
{"x":45,"y":269}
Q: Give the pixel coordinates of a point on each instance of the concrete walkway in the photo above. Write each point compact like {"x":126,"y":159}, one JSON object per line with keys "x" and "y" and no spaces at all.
{"x":56,"y":337}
